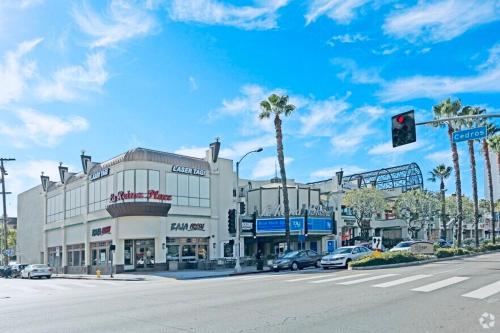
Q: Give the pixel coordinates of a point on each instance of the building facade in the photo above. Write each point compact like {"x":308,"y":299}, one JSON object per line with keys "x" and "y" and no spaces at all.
{"x":141,"y":210}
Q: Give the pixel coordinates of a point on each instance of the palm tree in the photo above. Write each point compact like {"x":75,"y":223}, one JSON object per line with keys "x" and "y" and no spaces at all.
{"x":471,"y":123}
{"x":447,"y":109}
{"x":494,"y":144}
{"x":491,"y":130}
{"x":441,"y":172}
{"x":278,"y":105}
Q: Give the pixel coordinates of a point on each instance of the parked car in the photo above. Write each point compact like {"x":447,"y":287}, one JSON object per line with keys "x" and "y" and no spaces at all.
{"x":343,"y":255}
{"x":402,"y":246}
{"x":17,"y":269}
{"x":6,"y":271}
{"x":297,"y":260}
{"x":37,"y":270}
{"x":443,"y":243}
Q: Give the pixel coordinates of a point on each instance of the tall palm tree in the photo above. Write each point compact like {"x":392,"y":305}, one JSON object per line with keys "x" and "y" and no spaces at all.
{"x":471,"y":123}
{"x":491,"y":130}
{"x":441,"y":172}
{"x":276,"y":106}
{"x":494,"y":144}
{"x":447,"y":109}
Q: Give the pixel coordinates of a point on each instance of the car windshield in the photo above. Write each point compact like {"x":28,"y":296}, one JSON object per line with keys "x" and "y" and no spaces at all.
{"x":290,"y":254}
{"x":40,"y":266}
{"x":342,"y":250}
{"x":404,"y":244}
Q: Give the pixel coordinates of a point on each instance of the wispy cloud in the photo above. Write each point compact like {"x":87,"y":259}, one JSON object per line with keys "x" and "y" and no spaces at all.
{"x":330,"y":171}
{"x":122,"y":21}
{"x":35,"y":128}
{"x":387,"y":149}
{"x":262,"y":16}
{"x":69,"y":83}
{"x":193,"y":85}
{"x":15,"y":70}
{"x":266,"y":167}
{"x":350,"y":69}
{"x":438,"y":21}
{"x":352,"y":137}
{"x":322,"y":115}
{"x":347,"y":39}
{"x":341,"y":11}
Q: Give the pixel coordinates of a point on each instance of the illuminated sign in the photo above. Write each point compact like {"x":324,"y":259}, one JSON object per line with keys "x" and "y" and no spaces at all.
{"x":189,"y":171}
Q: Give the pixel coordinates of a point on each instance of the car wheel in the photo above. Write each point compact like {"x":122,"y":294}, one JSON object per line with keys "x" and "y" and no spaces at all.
{"x":295,"y":266}
{"x":318,"y":263}
{"x":29,"y":276}
{"x":276,"y":270}
{"x":325,"y":268}
{"x":48,"y":276}
{"x":347,"y":263}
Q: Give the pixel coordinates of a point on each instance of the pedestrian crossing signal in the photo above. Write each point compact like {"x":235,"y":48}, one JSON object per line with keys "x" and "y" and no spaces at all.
{"x":403,"y":129}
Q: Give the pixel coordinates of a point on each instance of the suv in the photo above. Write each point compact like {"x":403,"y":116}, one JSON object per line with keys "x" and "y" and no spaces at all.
{"x":17,"y":269}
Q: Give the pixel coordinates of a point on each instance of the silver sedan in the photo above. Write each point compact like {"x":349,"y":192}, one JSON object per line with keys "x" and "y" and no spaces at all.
{"x":37,"y":270}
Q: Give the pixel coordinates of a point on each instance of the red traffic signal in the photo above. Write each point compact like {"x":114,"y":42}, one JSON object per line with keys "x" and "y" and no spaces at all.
{"x":403,"y":129}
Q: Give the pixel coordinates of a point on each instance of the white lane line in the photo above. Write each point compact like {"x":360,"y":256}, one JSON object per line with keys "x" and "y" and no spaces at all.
{"x":485,"y":291}
{"x":245,"y":278}
{"x":441,"y":284}
{"x":307,"y":278}
{"x":56,"y":287}
{"x":339,"y":278}
{"x":377,"y":277}
{"x":401,"y":281}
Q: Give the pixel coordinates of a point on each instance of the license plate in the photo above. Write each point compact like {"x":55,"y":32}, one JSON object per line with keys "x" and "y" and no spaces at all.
{"x":275,"y":266}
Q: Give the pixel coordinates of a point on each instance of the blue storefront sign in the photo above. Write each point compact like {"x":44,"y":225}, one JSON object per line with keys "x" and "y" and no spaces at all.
{"x":319,"y":224}
{"x":277,"y":224}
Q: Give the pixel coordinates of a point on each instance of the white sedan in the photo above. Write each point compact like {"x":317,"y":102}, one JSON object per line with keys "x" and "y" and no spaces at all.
{"x":343,"y":255}
{"x":38,"y":270}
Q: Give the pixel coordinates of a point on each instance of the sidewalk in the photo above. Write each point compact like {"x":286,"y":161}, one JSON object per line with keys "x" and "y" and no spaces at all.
{"x":189,"y":274}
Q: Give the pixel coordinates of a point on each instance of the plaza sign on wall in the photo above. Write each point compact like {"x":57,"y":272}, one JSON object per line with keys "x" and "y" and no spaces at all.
{"x":152,"y":194}
{"x":189,"y":171}
{"x":101,"y":231}
{"x":99,"y":174}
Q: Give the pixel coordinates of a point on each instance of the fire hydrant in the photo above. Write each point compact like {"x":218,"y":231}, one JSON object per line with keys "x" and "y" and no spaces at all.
{"x":98,"y":273}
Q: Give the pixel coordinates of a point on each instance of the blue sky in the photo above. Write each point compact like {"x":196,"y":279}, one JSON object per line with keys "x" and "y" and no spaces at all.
{"x":107,"y":76}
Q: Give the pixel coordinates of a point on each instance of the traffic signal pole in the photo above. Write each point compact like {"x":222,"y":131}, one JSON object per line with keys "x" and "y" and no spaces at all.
{"x":4,"y":202}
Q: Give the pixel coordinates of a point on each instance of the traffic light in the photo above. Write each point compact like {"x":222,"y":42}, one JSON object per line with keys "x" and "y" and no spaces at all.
{"x":403,"y":129}
{"x":254,"y":225}
{"x":242,"y":208}
{"x":231,"y":221}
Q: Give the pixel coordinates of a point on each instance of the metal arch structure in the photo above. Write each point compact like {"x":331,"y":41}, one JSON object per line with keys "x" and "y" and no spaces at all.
{"x":406,"y":177}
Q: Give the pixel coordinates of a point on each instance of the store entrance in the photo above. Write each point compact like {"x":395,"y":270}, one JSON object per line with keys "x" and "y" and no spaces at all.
{"x":139,"y":254}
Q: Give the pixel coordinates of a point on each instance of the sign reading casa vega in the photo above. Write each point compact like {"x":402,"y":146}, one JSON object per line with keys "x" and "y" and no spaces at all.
{"x":152,"y":194}
{"x":189,"y":171}
{"x":187,"y":227}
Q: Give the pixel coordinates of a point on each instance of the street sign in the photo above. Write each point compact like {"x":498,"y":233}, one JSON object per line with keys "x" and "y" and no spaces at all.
{"x":8,"y":252}
{"x":377,"y":243}
{"x":470,"y":134}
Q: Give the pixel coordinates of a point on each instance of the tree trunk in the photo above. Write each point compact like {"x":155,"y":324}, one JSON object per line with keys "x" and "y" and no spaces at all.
{"x":443,"y":209}
{"x":281,"y":161}
{"x":458,"y":184}
{"x":472,"y":156}
{"x":486,"y":153}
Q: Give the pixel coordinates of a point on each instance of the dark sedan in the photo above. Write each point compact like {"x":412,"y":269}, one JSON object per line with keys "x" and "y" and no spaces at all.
{"x":295,"y":260}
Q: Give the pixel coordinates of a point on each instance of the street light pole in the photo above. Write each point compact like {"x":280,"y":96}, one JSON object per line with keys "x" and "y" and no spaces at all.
{"x":237,"y":267}
{"x":5,"y":233}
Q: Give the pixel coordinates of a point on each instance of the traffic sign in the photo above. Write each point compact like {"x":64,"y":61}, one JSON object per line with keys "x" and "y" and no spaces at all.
{"x":377,"y":243}
{"x":9,"y":252}
{"x":470,"y":134}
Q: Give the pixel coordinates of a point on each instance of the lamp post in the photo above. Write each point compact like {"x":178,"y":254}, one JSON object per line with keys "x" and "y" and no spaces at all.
{"x":237,"y":267}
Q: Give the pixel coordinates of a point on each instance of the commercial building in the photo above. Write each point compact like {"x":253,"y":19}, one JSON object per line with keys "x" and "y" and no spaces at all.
{"x":153,"y":207}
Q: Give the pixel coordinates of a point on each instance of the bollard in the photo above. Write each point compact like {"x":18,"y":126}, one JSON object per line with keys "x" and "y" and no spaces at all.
{"x":98,"y":273}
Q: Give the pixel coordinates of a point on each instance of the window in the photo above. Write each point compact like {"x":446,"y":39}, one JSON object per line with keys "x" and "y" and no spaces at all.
{"x":138,"y":181}
{"x":76,"y":255}
{"x":188,"y":190}
{"x":99,"y":251}
{"x":99,"y":192}
{"x":55,"y":210}
{"x":75,"y":202}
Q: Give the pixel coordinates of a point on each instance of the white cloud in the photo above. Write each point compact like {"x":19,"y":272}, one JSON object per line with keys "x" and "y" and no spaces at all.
{"x":385,"y":50}
{"x":437,"y":21}
{"x":41,"y":129}
{"x":199,"y":152}
{"x":266,"y":167}
{"x":341,"y":11}
{"x":21,"y":4}
{"x":69,"y":82}
{"x":330,"y":172}
{"x":15,"y":71}
{"x":493,"y":58}
{"x":261,"y":16}
{"x":356,"y":74}
{"x":322,"y":115}
{"x":387,"y":149}
{"x":123,"y":20}
{"x":440,"y":157}
{"x":193,"y":85}
{"x":347,"y":39}
{"x":351,"y":138}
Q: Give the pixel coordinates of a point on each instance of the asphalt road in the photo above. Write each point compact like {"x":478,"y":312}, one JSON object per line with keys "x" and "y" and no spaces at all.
{"x":439,"y":297}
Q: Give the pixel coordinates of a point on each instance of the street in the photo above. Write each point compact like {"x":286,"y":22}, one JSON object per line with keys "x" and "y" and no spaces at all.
{"x":446,"y":296}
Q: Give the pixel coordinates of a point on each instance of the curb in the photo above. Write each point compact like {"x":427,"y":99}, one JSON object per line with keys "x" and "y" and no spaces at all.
{"x":422,"y":262}
{"x":219,"y":276}
{"x":96,"y":279}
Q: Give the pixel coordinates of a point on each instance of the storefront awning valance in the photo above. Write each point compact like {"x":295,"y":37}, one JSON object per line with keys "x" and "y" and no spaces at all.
{"x":138,"y":209}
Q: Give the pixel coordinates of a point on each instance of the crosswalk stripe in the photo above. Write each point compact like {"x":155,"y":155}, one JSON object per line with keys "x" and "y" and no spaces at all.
{"x":377,"y":277}
{"x":307,"y":278}
{"x":441,"y":284}
{"x":485,"y":291}
{"x":401,"y":281}
{"x":339,"y":278}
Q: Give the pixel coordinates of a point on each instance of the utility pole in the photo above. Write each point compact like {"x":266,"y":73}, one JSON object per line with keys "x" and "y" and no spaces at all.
{"x":4,"y":201}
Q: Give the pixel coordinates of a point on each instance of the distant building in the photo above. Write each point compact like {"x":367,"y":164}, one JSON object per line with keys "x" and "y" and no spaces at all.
{"x":495,"y":177}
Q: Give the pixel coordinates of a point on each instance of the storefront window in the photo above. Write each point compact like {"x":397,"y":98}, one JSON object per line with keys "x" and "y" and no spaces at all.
{"x":188,"y":250}
{"x":202,"y":252}
{"x":76,"y":255}
{"x":100,"y":254}
{"x":172,"y":252}
{"x":228,"y":250}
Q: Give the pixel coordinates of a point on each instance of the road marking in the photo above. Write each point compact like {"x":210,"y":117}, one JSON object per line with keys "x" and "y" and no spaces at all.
{"x":401,"y":281}
{"x":485,"y":291}
{"x":378,"y":277}
{"x":56,"y":287}
{"x":441,"y":284}
{"x":339,"y":278}
{"x":307,"y":278}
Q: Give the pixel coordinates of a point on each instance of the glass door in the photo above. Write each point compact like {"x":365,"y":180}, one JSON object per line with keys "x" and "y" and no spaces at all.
{"x":127,"y":253}
{"x":144,"y":253}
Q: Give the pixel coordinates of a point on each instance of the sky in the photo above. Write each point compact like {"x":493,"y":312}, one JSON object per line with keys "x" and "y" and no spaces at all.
{"x":172,"y":75}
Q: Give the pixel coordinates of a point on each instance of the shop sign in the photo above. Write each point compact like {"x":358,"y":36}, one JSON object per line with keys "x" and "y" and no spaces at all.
{"x":189,"y":171}
{"x":349,"y":223}
{"x":152,"y":194}
{"x":101,"y":231}
{"x":99,"y":174}
{"x":246,"y":226}
{"x":187,"y":227}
